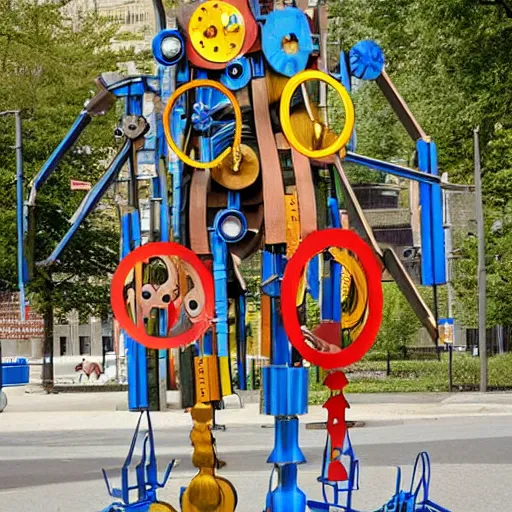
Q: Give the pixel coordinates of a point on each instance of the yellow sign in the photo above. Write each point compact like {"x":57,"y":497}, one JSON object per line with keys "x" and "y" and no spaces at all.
{"x":292,"y":224}
{"x":207,"y":379}
{"x":446,"y":331}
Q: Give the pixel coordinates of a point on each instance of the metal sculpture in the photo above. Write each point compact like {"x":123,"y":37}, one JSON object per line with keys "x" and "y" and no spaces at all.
{"x":238,"y":146}
{"x":207,"y":492}
{"x":146,"y":474}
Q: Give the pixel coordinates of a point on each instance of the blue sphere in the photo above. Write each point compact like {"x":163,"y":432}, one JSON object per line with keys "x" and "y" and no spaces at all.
{"x":366,"y":60}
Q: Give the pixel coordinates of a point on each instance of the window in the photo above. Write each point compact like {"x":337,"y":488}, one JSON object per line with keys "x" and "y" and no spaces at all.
{"x":85,"y":345}
{"x":107,"y":343}
{"x":63,"y":345}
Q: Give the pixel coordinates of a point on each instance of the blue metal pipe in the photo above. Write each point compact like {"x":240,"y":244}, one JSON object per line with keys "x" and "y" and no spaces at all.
{"x":335,"y":269}
{"x":91,"y":200}
{"x":136,"y":353}
{"x":22,"y":264}
{"x":53,"y":161}
{"x":241,"y":342}
{"x":287,"y":497}
{"x":421,"y":176}
{"x":220,"y":276}
{"x":427,"y":263}
{"x":286,"y":442}
{"x":438,"y":235}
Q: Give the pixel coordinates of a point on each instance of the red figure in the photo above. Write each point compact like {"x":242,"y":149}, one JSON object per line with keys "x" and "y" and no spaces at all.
{"x":336,"y":425}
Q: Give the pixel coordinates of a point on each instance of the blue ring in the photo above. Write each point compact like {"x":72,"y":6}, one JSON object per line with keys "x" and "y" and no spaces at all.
{"x":156,"y":47}
{"x":221,"y":217}
{"x":242,"y":80}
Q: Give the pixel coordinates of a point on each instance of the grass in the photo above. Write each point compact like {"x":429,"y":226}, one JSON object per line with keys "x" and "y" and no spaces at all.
{"x":418,"y":376}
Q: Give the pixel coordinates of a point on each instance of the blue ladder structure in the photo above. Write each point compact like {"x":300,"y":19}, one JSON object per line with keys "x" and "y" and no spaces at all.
{"x":416,"y":499}
{"x":146,"y":472}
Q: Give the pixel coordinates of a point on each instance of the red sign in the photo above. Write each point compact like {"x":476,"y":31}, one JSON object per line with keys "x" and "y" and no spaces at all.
{"x":80,"y":185}
{"x":11,"y":325}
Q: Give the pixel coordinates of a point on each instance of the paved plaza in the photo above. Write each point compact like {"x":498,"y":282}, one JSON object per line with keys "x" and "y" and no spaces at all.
{"x":52,"y":449}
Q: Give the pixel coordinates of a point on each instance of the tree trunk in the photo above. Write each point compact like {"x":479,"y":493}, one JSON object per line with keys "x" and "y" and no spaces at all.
{"x":48,"y":374}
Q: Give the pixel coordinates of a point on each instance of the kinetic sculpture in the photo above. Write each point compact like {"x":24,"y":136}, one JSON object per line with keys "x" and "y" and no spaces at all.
{"x":242,"y":140}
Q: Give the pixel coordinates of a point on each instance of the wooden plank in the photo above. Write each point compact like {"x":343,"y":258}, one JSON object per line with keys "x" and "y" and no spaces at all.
{"x":266,"y":327}
{"x":400,"y":107}
{"x":198,"y":227}
{"x":273,"y":187}
{"x":305,"y":193}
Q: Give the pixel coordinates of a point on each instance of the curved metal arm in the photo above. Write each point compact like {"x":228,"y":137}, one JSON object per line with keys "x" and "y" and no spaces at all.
{"x":161,"y":22}
{"x":91,"y":200}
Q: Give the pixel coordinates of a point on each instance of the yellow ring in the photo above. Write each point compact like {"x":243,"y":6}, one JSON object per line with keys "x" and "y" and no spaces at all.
{"x":286,"y":98}
{"x":238,"y":124}
{"x":352,"y":266}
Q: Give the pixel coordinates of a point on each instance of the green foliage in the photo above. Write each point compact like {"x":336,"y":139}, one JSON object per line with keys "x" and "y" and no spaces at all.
{"x":496,"y":183}
{"x":312,"y":312}
{"x":417,"y":376}
{"x":399,"y":323}
{"x":48,"y":66}
{"x":450,"y":61}
{"x":129,"y":36}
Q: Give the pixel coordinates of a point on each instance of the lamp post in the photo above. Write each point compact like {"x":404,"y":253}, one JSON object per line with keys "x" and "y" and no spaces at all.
{"x":482,"y":342}
{"x":19,"y":202}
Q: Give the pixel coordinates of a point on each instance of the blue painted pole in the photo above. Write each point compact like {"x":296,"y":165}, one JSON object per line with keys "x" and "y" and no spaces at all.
{"x":335,"y":268}
{"x":241,"y":345}
{"x":438,"y":234}
{"x":427,"y":266}
{"x":279,"y":380}
{"x":220,"y":277}
{"x":136,"y":353}
{"x":50,"y":165}
{"x":22,"y":266}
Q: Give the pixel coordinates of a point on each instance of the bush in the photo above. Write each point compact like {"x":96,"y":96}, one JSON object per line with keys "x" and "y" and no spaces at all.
{"x":417,"y":376}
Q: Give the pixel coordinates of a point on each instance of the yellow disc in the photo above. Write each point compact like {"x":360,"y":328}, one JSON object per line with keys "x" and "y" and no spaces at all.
{"x":248,"y":173}
{"x":217,"y":31}
{"x":238,"y":124}
{"x":284,"y":113}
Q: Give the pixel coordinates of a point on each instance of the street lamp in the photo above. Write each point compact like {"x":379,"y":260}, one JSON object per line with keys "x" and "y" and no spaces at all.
{"x":19,"y":208}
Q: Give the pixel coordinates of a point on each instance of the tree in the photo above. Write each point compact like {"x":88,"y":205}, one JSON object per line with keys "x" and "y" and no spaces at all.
{"x":450,"y":61}
{"x":48,"y":66}
{"x":399,"y":323}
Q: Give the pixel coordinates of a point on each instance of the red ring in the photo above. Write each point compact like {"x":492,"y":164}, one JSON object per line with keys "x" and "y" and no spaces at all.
{"x":312,"y":245}
{"x":117,"y":298}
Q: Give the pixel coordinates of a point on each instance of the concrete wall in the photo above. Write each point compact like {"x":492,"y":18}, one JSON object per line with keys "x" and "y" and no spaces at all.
{"x":80,"y":339}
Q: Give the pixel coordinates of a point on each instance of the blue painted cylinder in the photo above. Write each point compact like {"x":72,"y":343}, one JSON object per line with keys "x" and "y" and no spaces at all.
{"x":285,"y":391}
{"x":286,"y":442}
{"x":287,"y":497}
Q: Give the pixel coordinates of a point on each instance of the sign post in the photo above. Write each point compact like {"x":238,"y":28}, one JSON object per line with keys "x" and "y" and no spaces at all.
{"x":447,"y":337}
